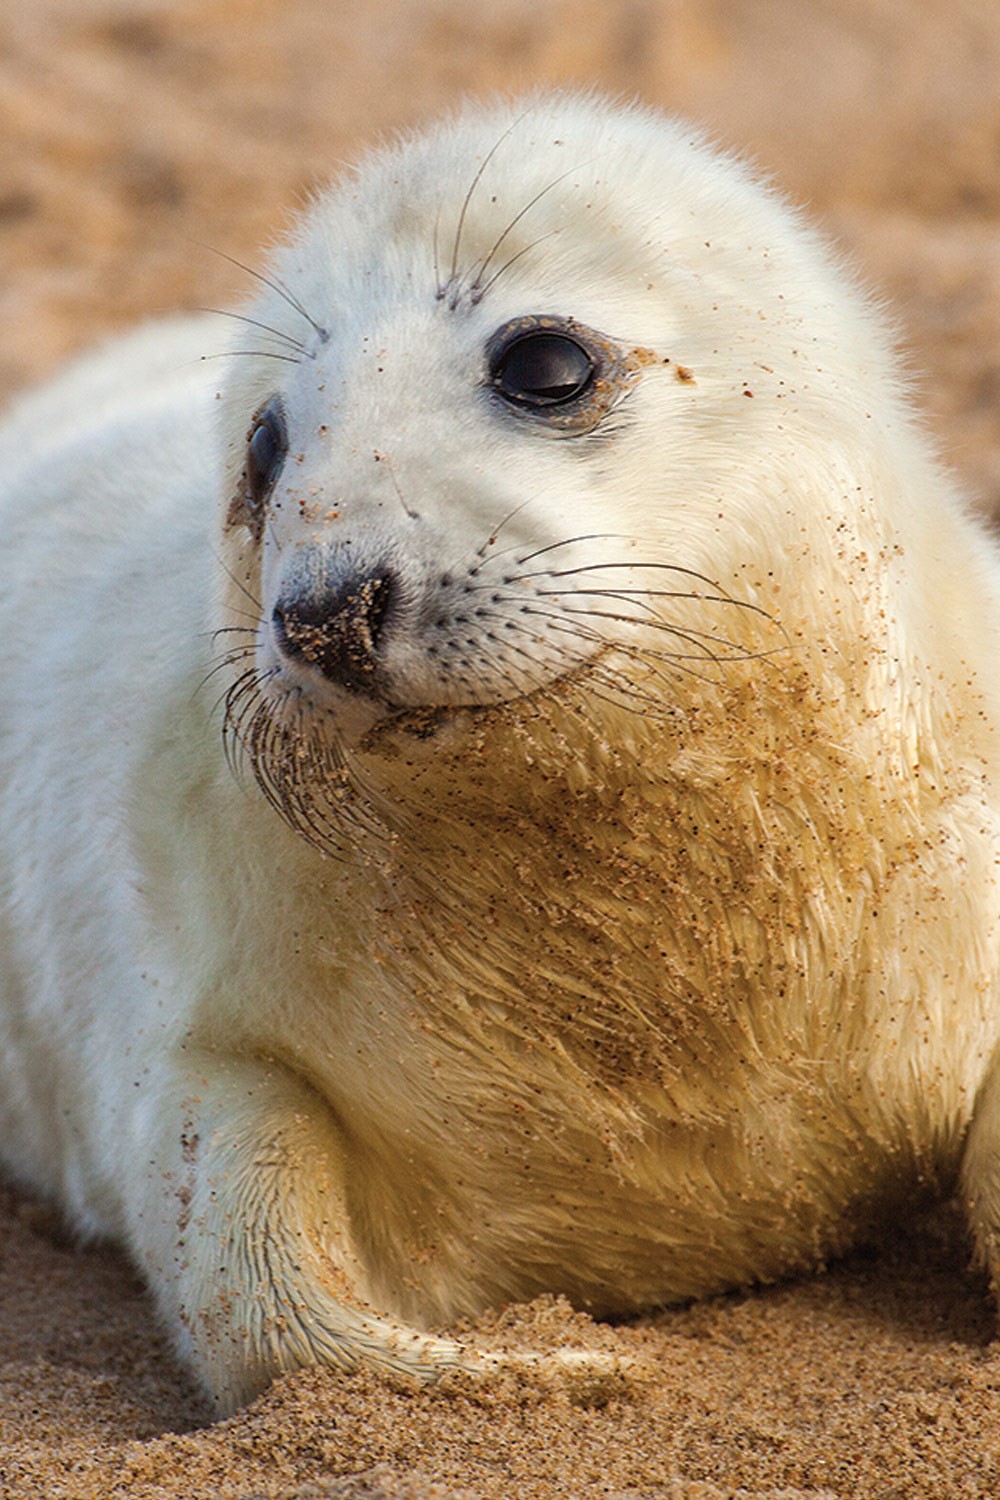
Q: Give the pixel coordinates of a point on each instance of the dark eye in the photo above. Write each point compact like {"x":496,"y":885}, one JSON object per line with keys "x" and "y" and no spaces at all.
{"x":542,"y":369}
{"x":266,"y":451}
{"x":558,"y":376}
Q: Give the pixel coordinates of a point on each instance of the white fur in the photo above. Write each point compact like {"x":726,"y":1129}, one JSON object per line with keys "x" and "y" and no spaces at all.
{"x":628,"y":998}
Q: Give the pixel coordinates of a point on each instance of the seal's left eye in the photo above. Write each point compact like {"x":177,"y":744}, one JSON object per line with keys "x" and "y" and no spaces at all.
{"x":542,"y":369}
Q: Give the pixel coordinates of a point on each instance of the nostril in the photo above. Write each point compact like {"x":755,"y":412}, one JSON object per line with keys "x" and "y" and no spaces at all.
{"x":337,"y":625}
{"x":356,"y":603}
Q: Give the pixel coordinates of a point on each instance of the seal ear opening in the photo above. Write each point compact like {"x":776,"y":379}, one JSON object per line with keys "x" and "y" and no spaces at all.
{"x":334,"y":618}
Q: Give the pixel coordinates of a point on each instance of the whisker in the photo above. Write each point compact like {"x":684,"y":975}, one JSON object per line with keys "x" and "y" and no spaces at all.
{"x":237,"y":583}
{"x":479,"y":289}
{"x":490,"y":541}
{"x":244,"y":687}
{"x":279,"y":333}
{"x":275,"y":285}
{"x":288,"y":359}
{"x":739,"y":653}
{"x":720,"y":597}
{"x":649,"y":616}
{"x":384,"y":458}
{"x":484,"y":265}
{"x":618,"y":695}
{"x":434,"y":248}
{"x":237,"y":653}
{"x":213,"y":635}
{"x":590,"y":536}
{"x":229,"y":659}
{"x":456,"y":247}
{"x":603,"y":536}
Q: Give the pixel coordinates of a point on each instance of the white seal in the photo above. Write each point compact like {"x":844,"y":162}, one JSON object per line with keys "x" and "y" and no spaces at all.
{"x":506,"y":799}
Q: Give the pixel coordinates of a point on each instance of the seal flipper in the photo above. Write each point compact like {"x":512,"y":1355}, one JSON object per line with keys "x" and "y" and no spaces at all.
{"x":244,"y":1235}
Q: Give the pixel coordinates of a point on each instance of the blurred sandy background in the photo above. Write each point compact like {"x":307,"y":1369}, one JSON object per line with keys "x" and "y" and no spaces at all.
{"x":132,"y":134}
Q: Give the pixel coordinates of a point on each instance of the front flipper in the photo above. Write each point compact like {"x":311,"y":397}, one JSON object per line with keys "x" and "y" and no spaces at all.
{"x":242,"y":1227}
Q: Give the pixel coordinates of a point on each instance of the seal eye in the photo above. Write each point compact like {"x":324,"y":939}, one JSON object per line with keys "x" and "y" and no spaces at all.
{"x":265,"y":454}
{"x":267,"y":444}
{"x":542,"y":369}
{"x":558,"y":376}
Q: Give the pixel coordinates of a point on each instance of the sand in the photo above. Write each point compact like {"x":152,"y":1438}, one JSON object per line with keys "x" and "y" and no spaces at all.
{"x":876,"y":1379}
{"x":133,"y":134}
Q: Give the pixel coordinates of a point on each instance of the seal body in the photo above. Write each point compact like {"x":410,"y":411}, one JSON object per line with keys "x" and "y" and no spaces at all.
{"x":499,"y":780}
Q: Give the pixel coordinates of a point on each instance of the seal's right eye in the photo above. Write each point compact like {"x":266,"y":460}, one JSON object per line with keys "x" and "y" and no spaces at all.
{"x":267,"y":444}
{"x":266,"y":451}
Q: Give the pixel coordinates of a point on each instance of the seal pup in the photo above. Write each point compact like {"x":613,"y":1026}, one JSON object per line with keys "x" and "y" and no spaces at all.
{"x":606,"y":897}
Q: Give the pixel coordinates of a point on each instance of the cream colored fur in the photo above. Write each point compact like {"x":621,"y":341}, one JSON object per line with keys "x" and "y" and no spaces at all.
{"x":635,"y":972}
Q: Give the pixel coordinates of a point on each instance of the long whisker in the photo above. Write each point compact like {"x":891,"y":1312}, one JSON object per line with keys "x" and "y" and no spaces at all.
{"x":229,"y":659}
{"x":275,"y":285}
{"x":478,"y":289}
{"x":237,"y":583}
{"x":288,"y":359}
{"x":279,"y":333}
{"x":490,"y":541}
{"x":456,"y":247}
{"x":484,"y":266}
{"x":626,"y":595}
{"x":247,"y":630}
{"x":720,"y":596}
{"x":570,"y":541}
{"x":603,"y":536}
{"x":739,"y":653}
{"x":649,"y":614}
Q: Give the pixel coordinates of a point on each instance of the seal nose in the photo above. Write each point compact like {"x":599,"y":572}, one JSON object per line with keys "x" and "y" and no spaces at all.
{"x":337,"y":624}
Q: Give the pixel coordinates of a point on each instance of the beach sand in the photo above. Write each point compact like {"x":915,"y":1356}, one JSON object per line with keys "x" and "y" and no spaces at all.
{"x":134,"y":135}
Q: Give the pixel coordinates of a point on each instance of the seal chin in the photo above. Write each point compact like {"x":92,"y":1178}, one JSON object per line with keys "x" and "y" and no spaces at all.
{"x":446,"y":728}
